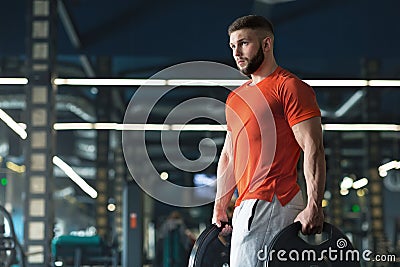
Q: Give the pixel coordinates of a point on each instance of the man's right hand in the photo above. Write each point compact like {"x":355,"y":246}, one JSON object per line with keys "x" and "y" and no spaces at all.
{"x":220,"y":216}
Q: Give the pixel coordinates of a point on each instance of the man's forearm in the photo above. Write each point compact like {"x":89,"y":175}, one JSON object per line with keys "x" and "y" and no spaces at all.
{"x":221,"y":204}
{"x":225,"y":183}
{"x":309,"y":136}
{"x":315,"y":175}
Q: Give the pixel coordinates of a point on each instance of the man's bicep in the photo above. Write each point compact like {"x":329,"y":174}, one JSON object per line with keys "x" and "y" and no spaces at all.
{"x":225,"y":166}
{"x":227,"y":148}
{"x":308,"y":132}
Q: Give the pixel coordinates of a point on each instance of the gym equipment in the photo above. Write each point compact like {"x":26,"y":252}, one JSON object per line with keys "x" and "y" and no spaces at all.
{"x":86,"y":250}
{"x":335,"y":251}
{"x":10,"y":244}
{"x":210,"y":249}
{"x":288,"y":249}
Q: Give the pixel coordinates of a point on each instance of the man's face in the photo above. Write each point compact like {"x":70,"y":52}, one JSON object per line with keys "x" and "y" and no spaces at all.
{"x":247,"y":50}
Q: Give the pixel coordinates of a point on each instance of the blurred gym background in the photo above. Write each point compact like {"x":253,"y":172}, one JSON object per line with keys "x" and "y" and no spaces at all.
{"x":64,"y":180}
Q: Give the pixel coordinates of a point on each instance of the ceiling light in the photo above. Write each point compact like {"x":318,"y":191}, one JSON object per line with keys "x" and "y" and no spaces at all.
{"x":382,"y":83}
{"x":361,"y":127}
{"x":361,"y":192}
{"x":349,"y":103}
{"x":75,"y":177}
{"x":198,"y":127}
{"x":110,"y":82}
{"x":383,"y":169}
{"x":12,"y":81}
{"x":164,"y":176}
{"x":347,"y":183}
{"x":142,"y":127}
{"x":360,"y":183}
{"x":337,"y":83}
{"x":207,"y":127}
{"x":204,"y":82}
{"x":195,"y":82}
{"x":15,"y":167}
{"x":111,"y":207}
{"x":139,"y":127}
{"x":13,"y":125}
{"x":383,"y":173}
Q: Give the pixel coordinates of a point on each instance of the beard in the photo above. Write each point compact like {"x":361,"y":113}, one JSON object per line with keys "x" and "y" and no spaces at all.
{"x":253,"y":63}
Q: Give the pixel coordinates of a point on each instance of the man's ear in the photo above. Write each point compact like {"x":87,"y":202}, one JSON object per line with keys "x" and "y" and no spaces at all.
{"x":267,"y":42}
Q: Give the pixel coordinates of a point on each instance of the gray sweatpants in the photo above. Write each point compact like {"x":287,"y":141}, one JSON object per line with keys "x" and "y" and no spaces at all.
{"x":255,"y":223}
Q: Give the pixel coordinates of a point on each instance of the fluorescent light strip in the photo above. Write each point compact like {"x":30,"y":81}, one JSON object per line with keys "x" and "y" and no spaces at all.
{"x":337,"y":83}
{"x":394,"y":164}
{"x":196,"y":82}
{"x":198,"y":127}
{"x":13,"y":124}
{"x":110,"y":126}
{"x":73,"y":126}
{"x":382,"y":83}
{"x":147,"y":82}
{"x":360,"y":183}
{"x":75,"y":177}
{"x":346,"y":183}
{"x":182,"y":82}
{"x":383,"y":169}
{"x":142,"y":127}
{"x":104,"y":126}
{"x":216,"y":82}
{"x":110,"y":82}
{"x":361,"y":127}
{"x":208,"y":127}
{"x":15,"y":167}
{"x":349,"y":103}
{"x":12,"y":81}
{"x":138,"y":127}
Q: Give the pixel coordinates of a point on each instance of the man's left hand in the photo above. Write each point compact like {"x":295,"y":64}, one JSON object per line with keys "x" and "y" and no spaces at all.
{"x":311,"y":219}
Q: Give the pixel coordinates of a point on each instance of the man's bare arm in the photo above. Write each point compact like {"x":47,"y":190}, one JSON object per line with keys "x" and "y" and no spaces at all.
{"x":225,"y":182}
{"x":308,"y":134}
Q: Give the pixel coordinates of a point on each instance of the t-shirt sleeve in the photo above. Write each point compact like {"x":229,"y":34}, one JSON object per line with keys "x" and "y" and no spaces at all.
{"x":299,"y":101}
{"x":228,"y":127}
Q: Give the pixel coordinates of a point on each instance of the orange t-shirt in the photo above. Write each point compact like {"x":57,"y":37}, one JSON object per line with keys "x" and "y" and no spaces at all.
{"x":265,"y":150}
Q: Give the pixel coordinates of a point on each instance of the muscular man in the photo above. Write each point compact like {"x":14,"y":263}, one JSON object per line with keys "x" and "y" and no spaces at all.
{"x":270,"y":119}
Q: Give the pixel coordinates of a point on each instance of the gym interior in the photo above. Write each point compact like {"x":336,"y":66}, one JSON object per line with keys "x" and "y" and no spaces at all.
{"x":112,"y":121}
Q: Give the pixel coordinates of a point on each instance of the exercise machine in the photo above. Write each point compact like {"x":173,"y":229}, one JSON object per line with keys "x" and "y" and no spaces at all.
{"x":9,"y":244}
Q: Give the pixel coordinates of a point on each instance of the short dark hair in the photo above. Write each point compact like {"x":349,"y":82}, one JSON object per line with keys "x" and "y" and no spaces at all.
{"x":251,"y":22}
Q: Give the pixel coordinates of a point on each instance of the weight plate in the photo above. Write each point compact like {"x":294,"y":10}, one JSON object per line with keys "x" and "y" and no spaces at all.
{"x":210,"y":249}
{"x":288,"y":249}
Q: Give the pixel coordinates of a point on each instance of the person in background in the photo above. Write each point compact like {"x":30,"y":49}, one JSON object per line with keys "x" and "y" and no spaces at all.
{"x":174,"y":242}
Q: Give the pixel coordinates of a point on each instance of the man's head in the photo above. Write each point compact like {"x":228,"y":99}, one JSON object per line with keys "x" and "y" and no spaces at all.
{"x":251,"y":39}
{"x":263,"y":25}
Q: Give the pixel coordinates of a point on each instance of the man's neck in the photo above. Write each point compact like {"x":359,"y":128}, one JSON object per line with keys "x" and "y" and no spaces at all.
{"x":268,"y":67}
